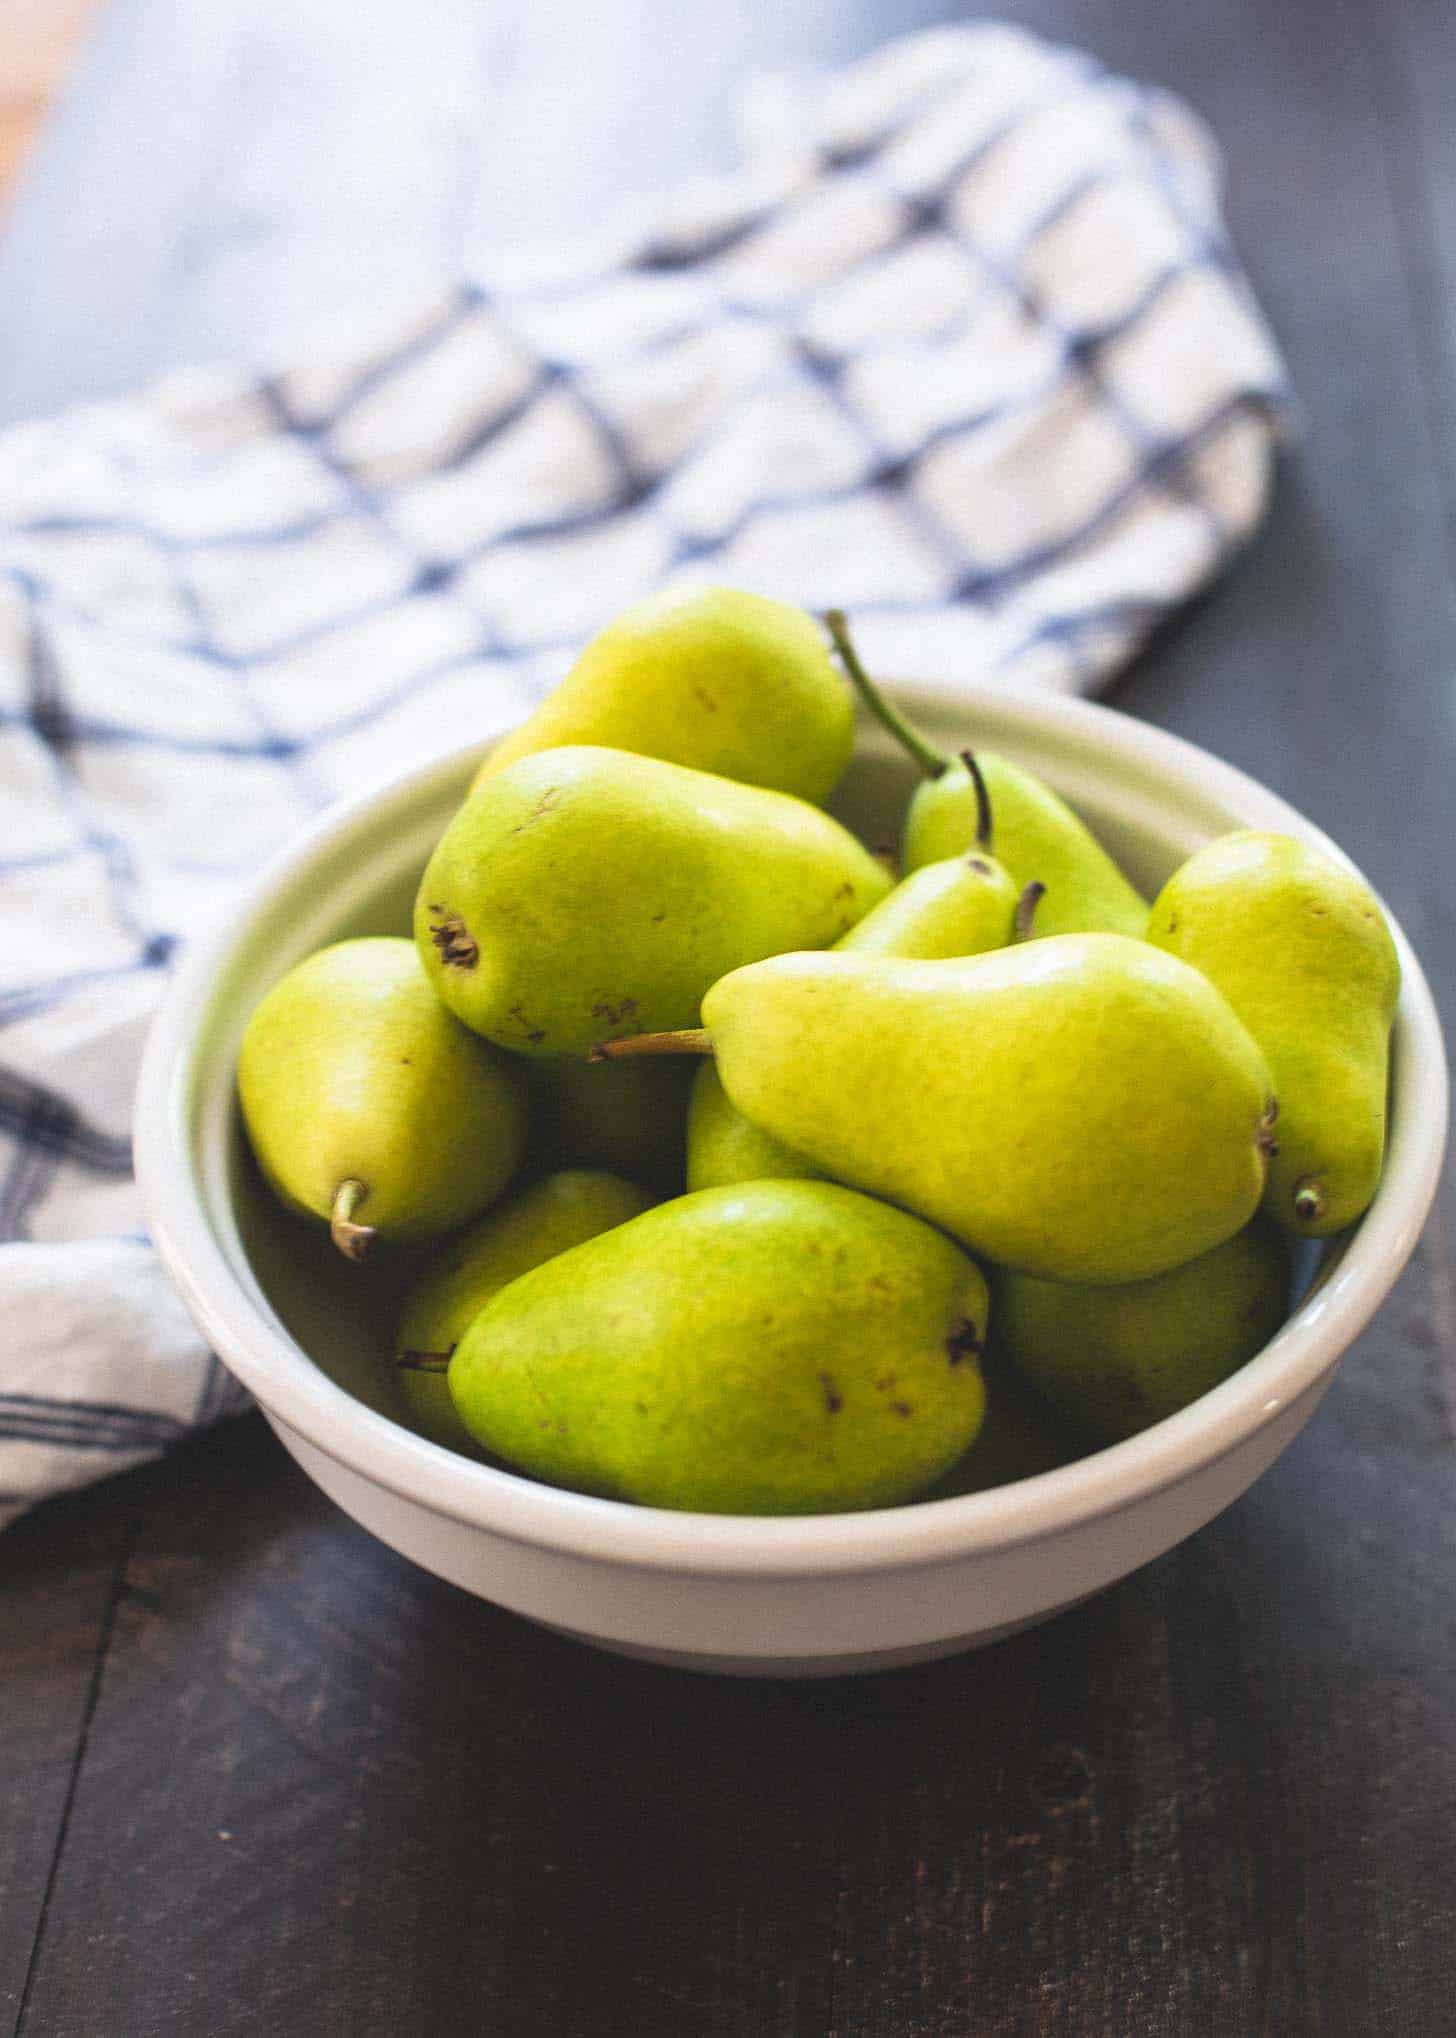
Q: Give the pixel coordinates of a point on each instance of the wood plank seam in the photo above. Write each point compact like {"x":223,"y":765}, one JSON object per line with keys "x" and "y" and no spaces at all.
{"x":1409,"y":174}
{"x":93,"y":1696}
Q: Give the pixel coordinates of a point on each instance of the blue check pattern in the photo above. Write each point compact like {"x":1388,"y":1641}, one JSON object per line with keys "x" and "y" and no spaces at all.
{"x":964,"y":349}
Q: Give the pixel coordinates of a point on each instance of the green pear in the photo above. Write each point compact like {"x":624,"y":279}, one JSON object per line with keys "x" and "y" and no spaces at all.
{"x":369,"y":1106}
{"x":548,"y":1218}
{"x":1082,"y":1107}
{"x":629,"y":1117}
{"x":963,"y":905}
{"x":723,"y":1147}
{"x":769,"y":1348}
{"x":1112,"y":1361}
{"x":723,"y":681}
{"x":585,"y":893}
{"x":1038,"y":837}
{"x":1299,"y":947}
{"x":960,"y":907}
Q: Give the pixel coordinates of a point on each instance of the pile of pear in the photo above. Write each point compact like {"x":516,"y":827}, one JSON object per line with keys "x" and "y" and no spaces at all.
{"x":742,"y":1176}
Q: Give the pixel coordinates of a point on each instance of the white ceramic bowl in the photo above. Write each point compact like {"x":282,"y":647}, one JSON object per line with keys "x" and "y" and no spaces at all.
{"x":805,"y":1596}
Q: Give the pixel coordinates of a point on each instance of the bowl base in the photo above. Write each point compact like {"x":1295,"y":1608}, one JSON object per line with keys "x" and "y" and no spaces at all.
{"x":856,"y":1665}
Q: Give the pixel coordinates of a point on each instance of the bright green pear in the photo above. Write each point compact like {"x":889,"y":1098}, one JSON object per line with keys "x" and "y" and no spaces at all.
{"x":771,"y":1348}
{"x":583,"y":894}
{"x":1112,"y":1361}
{"x":629,"y":1117}
{"x":723,"y":681}
{"x":962,"y":906}
{"x":548,"y":1218}
{"x":1081,"y":1107}
{"x":369,"y":1106}
{"x":1038,"y":837}
{"x":1299,"y":947}
{"x":723,"y":1146}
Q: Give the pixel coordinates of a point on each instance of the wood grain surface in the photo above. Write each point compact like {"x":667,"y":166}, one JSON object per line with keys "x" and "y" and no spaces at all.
{"x":257,"y":1773}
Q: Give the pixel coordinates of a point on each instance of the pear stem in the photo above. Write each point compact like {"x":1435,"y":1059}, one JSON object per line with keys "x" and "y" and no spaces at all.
{"x":983,"y":799}
{"x":1026,"y":907}
{"x":353,"y":1240}
{"x":931,"y":761}
{"x":687,"y":1040}
{"x":424,"y":1362}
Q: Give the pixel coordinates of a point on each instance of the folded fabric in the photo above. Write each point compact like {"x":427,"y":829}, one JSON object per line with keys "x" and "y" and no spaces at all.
{"x":963,"y":349}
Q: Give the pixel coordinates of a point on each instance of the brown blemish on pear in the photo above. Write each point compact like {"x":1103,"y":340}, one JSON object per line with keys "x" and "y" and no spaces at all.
{"x":453,"y":940}
{"x":964,"y":1342}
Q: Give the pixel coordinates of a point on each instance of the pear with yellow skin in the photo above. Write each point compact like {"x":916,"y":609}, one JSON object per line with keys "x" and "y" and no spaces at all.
{"x":723,"y":1146}
{"x":1112,"y":1361}
{"x":368,"y":1106}
{"x":586,"y":893}
{"x":770,"y":1348}
{"x":547,"y":1218}
{"x":1299,"y":947}
{"x":1083,"y":1108}
{"x":962,"y":907}
{"x":724,"y":681}
{"x":1038,"y":837}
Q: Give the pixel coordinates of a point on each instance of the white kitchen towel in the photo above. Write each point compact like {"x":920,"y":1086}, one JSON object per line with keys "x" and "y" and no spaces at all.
{"x":963,"y":349}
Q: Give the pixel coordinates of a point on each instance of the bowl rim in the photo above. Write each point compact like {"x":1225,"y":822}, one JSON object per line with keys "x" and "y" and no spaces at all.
{"x":296,"y":1392}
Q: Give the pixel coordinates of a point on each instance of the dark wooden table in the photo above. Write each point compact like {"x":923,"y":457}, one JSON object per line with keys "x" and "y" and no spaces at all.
{"x":259,"y":1774}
